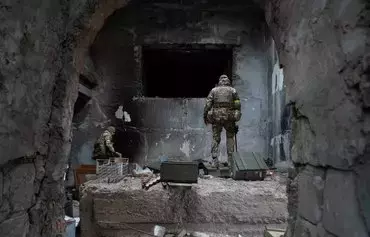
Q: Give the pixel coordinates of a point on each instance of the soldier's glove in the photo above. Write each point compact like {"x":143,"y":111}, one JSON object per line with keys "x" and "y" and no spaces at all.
{"x":118,"y":154}
{"x":236,"y":129}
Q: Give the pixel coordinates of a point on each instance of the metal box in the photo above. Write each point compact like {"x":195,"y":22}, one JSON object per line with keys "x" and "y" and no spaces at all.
{"x":179,"y":172}
{"x":249,"y":166}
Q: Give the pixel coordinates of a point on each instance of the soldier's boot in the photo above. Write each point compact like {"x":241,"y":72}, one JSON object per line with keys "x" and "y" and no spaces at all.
{"x":215,"y":163}
{"x":230,"y":164}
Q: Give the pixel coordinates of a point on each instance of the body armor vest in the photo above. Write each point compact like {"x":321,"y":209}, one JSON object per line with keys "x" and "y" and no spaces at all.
{"x":223,"y":96}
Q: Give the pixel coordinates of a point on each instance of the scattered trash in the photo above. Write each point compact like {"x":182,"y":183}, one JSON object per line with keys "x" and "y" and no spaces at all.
{"x":201,"y":173}
{"x":163,"y":158}
{"x":139,"y":171}
{"x":159,"y":231}
{"x":75,"y":208}
{"x":77,"y":219}
{"x":71,"y":225}
{"x":207,"y":176}
{"x":151,"y":181}
{"x":199,"y":234}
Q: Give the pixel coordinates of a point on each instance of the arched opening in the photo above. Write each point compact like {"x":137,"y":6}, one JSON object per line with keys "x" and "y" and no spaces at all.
{"x":283,"y":109}
{"x":130,"y":54}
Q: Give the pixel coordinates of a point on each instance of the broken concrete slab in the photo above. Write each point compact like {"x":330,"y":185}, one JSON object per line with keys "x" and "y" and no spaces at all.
{"x":339,"y":190}
{"x":17,"y":226}
{"x":210,"y":202}
{"x":310,"y":193}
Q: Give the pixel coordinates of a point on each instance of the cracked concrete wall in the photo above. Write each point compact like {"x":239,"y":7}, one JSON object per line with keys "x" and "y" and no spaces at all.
{"x":35,"y":116}
{"x":38,"y":88}
{"x":324,"y":48}
{"x":175,"y":126}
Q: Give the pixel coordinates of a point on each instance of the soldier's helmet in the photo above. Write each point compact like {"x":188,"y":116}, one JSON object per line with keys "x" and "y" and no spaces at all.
{"x":111,"y":129}
{"x":224,"y":81}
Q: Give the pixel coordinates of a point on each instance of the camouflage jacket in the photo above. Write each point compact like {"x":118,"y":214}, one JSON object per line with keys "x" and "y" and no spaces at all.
{"x":222,"y":104}
{"x":104,"y":145}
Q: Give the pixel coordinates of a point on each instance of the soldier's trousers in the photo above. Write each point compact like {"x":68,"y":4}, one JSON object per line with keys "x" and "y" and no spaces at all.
{"x":230,"y":131}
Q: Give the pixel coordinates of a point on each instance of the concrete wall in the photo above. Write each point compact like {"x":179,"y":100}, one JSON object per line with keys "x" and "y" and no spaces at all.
{"x":35,"y":115}
{"x":281,"y":114}
{"x":324,"y":47}
{"x":173,"y":126}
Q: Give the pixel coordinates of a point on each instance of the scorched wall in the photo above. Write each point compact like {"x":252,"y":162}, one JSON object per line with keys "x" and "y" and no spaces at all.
{"x":174,"y":126}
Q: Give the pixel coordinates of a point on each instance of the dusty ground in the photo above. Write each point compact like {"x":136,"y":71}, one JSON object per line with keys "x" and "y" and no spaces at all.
{"x":218,"y":207}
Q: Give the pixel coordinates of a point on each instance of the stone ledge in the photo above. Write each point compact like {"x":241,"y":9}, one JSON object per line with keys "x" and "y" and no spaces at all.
{"x":210,"y":202}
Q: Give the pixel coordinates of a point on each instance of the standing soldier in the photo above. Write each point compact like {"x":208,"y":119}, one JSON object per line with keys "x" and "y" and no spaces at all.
{"x":222,"y":110}
{"x":103,"y":147}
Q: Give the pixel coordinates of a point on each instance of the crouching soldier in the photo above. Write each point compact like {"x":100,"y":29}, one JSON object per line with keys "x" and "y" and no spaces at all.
{"x":103,"y":147}
{"x":222,"y":110}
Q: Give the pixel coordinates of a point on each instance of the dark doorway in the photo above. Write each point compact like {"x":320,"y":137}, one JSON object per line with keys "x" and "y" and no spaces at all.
{"x":184,"y":71}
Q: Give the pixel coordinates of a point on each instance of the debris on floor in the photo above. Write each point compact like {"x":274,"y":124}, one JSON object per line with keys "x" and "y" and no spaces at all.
{"x":199,"y":234}
{"x":273,"y":232}
{"x":159,"y":231}
{"x":140,"y":172}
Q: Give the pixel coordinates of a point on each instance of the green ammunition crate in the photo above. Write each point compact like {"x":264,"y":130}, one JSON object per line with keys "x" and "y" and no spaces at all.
{"x":179,"y":172}
{"x":248,"y":166}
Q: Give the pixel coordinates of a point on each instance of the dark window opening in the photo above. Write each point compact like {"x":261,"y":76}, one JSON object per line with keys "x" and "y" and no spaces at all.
{"x":80,"y":104}
{"x":184,"y":72}
{"x":86,"y":82}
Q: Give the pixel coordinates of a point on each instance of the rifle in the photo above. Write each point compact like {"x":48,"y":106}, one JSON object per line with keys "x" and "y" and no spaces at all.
{"x":236,"y":141}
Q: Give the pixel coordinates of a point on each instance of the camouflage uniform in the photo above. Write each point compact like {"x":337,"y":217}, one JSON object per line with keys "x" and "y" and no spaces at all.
{"x":222,"y":110}
{"x":103,"y":147}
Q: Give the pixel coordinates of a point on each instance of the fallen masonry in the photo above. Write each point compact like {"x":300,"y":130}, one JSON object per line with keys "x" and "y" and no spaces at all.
{"x":218,"y":207}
